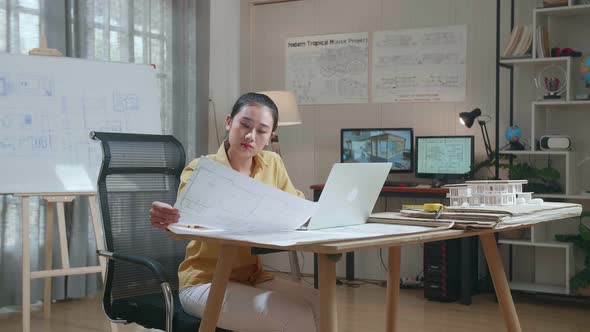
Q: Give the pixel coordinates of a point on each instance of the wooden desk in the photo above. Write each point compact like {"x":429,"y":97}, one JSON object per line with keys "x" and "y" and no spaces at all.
{"x":327,"y":272}
{"x":421,"y":191}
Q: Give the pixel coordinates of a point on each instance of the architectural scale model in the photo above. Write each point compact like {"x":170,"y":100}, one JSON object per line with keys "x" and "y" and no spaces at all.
{"x":488,"y":192}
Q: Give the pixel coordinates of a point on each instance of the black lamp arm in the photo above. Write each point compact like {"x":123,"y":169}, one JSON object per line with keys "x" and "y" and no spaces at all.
{"x":486,"y":139}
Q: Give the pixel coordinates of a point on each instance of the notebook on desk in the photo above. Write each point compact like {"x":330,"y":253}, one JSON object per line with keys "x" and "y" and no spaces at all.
{"x":349,"y":194}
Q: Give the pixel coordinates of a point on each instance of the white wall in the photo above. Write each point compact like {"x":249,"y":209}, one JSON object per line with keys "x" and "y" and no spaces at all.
{"x":310,"y":149}
{"x":224,"y":70}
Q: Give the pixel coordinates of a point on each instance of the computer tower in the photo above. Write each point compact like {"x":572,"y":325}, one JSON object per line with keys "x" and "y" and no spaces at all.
{"x":442,"y":270}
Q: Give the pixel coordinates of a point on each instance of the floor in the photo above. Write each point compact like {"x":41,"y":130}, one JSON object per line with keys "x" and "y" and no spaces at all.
{"x":359,"y":309}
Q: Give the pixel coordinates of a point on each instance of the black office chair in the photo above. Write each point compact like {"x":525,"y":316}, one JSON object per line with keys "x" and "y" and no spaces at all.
{"x":141,"y":281}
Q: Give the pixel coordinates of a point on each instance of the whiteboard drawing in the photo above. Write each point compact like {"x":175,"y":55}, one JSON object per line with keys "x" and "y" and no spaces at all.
{"x":40,"y":143}
{"x":25,"y":84}
{"x":426,"y":65}
{"x":48,"y":108}
{"x":3,"y":86}
{"x":12,"y":120}
{"x":328,"y":69}
{"x":125,"y":102}
{"x":112,"y":126}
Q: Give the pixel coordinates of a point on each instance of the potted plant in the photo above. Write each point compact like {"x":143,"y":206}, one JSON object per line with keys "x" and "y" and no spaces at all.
{"x":580,"y":282}
{"x":541,"y":180}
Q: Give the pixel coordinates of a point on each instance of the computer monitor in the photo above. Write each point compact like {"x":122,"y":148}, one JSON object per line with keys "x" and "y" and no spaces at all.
{"x":444,"y":157}
{"x":395,"y":145}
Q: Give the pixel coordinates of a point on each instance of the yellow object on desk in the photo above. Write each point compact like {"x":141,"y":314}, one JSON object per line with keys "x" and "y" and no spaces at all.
{"x":433,"y":207}
{"x":429,"y":207}
{"x":437,"y":208}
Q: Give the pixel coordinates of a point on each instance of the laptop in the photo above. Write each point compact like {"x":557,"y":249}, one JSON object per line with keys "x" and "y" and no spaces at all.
{"x":349,"y":194}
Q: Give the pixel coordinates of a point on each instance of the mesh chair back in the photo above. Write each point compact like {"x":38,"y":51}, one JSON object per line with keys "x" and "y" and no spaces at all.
{"x":137,"y":170}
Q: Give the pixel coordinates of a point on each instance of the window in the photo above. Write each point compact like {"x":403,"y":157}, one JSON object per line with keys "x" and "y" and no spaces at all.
{"x":128,"y":30}
{"x":19,"y":25}
{"x":133,"y":31}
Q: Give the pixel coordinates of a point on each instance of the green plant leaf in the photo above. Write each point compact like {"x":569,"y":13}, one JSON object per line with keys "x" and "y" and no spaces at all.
{"x":580,"y":280}
{"x":548,"y":174}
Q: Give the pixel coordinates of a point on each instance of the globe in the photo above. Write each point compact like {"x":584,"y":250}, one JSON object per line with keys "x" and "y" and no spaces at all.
{"x":585,"y":69}
{"x":513,"y":134}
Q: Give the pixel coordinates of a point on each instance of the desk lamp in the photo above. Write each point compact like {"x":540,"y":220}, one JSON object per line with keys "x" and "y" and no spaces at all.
{"x":288,"y":112}
{"x":467,"y":119}
{"x":288,"y":116}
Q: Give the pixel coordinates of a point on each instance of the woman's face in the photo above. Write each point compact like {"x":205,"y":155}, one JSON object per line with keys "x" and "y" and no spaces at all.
{"x":249,"y":131}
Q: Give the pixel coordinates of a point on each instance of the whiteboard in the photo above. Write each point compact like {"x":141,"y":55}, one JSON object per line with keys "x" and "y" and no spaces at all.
{"x":328,"y":69}
{"x":419,"y":65}
{"x":49,"y":105}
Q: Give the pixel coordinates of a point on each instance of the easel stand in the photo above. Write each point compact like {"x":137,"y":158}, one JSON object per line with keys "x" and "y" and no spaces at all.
{"x":54,"y":200}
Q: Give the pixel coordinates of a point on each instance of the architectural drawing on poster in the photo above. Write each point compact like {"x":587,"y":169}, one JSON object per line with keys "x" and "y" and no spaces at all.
{"x":419,"y":65}
{"x":328,"y":69}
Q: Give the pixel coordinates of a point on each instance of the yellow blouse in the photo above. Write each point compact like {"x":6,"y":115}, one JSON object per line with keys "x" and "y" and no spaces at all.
{"x":201,"y":256}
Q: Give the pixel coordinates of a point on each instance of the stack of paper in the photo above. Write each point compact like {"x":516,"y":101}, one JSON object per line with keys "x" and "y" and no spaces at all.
{"x":409,"y":217}
{"x":485,"y":217}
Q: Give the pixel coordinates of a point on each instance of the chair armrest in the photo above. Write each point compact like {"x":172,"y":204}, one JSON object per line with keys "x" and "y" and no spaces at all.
{"x":150,"y":263}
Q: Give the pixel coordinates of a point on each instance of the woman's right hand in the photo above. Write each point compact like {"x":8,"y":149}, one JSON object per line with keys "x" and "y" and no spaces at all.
{"x":162,"y":215}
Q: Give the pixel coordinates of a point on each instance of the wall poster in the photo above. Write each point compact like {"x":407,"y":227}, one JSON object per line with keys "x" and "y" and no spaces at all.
{"x":419,"y":65}
{"x":328,"y":69}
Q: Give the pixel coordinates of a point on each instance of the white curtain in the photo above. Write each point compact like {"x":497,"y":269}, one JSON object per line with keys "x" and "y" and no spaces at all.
{"x":173,"y":35}
{"x":137,"y":31}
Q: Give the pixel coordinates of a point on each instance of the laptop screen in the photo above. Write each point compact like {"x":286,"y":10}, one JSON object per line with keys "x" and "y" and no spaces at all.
{"x":350,"y":194}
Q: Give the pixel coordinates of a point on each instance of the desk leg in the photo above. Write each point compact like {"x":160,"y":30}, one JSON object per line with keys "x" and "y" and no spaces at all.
{"x":490,"y":249}
{"x":48,"y":259}
{"x":392,"y":297}
{"x":218,"y":286}
{"x":26,"y":260}
{"x":327,"y":283}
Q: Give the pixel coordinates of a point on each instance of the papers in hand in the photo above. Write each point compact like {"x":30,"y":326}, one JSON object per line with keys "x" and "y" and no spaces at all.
{"x":235,"y":207}
{"x":217,"y":197}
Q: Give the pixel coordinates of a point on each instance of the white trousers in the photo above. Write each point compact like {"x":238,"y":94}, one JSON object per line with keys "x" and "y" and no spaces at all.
{"x":276,"y":305}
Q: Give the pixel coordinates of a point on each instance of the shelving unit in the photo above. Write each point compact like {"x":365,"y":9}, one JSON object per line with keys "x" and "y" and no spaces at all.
{"x":562,"y":161}
{"x":532,"y":273}
{"x":547,"y":117}
{"x":531,"y":61}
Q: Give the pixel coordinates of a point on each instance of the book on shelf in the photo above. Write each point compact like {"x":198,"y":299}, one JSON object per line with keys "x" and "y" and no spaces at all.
{"x":520,"y":42}
{"x":554,"y":3}
{"x":542,"y":37}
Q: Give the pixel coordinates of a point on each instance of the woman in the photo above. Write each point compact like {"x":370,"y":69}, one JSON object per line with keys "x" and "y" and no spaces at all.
{"x":254,"y":301}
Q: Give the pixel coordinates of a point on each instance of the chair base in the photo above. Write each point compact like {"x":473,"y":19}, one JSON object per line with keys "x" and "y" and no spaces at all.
{"x":149,"y":312}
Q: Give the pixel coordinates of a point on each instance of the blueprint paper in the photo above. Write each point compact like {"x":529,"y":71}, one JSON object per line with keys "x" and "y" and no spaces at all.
{"x":295,"y":237}
{"x":220,"y":198}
